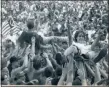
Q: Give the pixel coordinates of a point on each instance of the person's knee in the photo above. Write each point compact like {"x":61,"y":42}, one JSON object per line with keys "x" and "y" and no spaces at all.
{"x":69,"y":50}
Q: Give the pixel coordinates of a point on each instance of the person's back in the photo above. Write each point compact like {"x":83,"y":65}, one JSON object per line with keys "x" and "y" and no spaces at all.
{"x":27,"y":35}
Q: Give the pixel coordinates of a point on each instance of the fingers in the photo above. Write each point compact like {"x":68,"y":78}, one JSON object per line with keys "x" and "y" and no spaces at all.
{"x":33,"y":39}
{"x":28,"y":49}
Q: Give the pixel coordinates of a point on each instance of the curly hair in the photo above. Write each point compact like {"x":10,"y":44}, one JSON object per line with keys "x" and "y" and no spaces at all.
{"x":77,"y":33}
{"x":48,"y":72}
{"x":36,"y":63}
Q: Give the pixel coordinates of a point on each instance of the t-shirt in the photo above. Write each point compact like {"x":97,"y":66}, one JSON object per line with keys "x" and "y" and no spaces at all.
{"x":86,"y":50}
{"x":82,"y":47}
{"x":26,"y":37}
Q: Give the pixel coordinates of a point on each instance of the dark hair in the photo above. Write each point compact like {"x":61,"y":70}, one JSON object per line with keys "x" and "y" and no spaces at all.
{"x":103,"y":36}
{"x":3,"y":62}
{"x":30,"y":24}
{"x":13,"y":45}
{"x":59,"y":58}
{"x":48,"y":72}
{"x":58,"y":71}
{"x":14,"y":59}
{"x":55,"y":81}
{"x":36,"y":63}
{"x":77,"y":33}
{"x":77,"y":81}
{"x":105,"y":20}
{"x":8,"y":40}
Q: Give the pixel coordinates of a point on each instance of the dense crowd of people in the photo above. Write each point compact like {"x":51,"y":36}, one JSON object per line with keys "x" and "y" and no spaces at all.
{"x":61,"y":43}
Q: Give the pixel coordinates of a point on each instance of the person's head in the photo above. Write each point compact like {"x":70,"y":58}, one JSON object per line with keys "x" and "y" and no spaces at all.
{"x":9,"y":44}
{"x":55,"y":81}
{"x":4,"y":76}
{"x":59,"y":58}
{"x":20,"y":78}
{"x":103,"y":36}
{"x":58,"y":71}
{"x":80,"y":37}
{"x":48,"y":72}
{"x":64,"y":45}
{"x":15,"y":62}
{"x":105,"y":20}
{"x":77,"y":81}
{"x":97,"y":47}
{"x":3,"y":63}
{"x":37,"y":63}
{"x":30,"y":24}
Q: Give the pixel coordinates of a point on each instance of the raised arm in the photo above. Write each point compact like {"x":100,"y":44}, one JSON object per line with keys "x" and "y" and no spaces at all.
{"x":64,"y":73}
{"x":97,"y":74}
{"x":96,"y":41}
{"x":25,"y":58}
{"x":23,"y":67}
{"x":32,"y":54}
{"x":59,"y":48}
{"x":48,"y":46}
{"x":70,"y":75}
{"x":89,"y":69}
{"x":54,"y":63}
{"x":103,"y":73}
{"x":49,"y":64}
{"x":82,"y":75}
{"x":33,"y":47}
{"x":69,"y":32}
{"x":47,"y":59}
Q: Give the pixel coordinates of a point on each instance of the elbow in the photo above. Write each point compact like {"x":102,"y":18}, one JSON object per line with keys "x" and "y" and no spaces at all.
{"x":25,"y":66}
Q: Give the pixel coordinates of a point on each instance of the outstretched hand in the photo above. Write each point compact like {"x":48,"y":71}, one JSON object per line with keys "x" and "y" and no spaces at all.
{"x":65,"y":69}
{"x":33,"y":40}
{"x":27,"y":50}
{"x":45,"y":55}
{"x":81,"y":71}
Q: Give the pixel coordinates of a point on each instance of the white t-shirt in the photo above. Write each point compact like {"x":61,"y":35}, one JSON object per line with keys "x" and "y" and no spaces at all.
{"x":86,"y":49}
{"x":83,"y":47}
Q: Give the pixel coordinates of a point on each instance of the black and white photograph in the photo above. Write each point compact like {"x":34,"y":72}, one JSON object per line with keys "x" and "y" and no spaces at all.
{"x":54,"y":43}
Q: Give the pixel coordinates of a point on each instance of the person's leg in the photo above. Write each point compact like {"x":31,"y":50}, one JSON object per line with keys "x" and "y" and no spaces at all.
{"x":47,"y":40}
{"x":102,"y":54}
{"x":103,"y":73}
{"x":82,"y":73}
{"x":71,"y":49}
{"x":61,"y":38}
{"x":89,"y":69}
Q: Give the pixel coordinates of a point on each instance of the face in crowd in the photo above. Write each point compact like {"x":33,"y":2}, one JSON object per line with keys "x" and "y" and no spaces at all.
{"x":80,"y":37}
